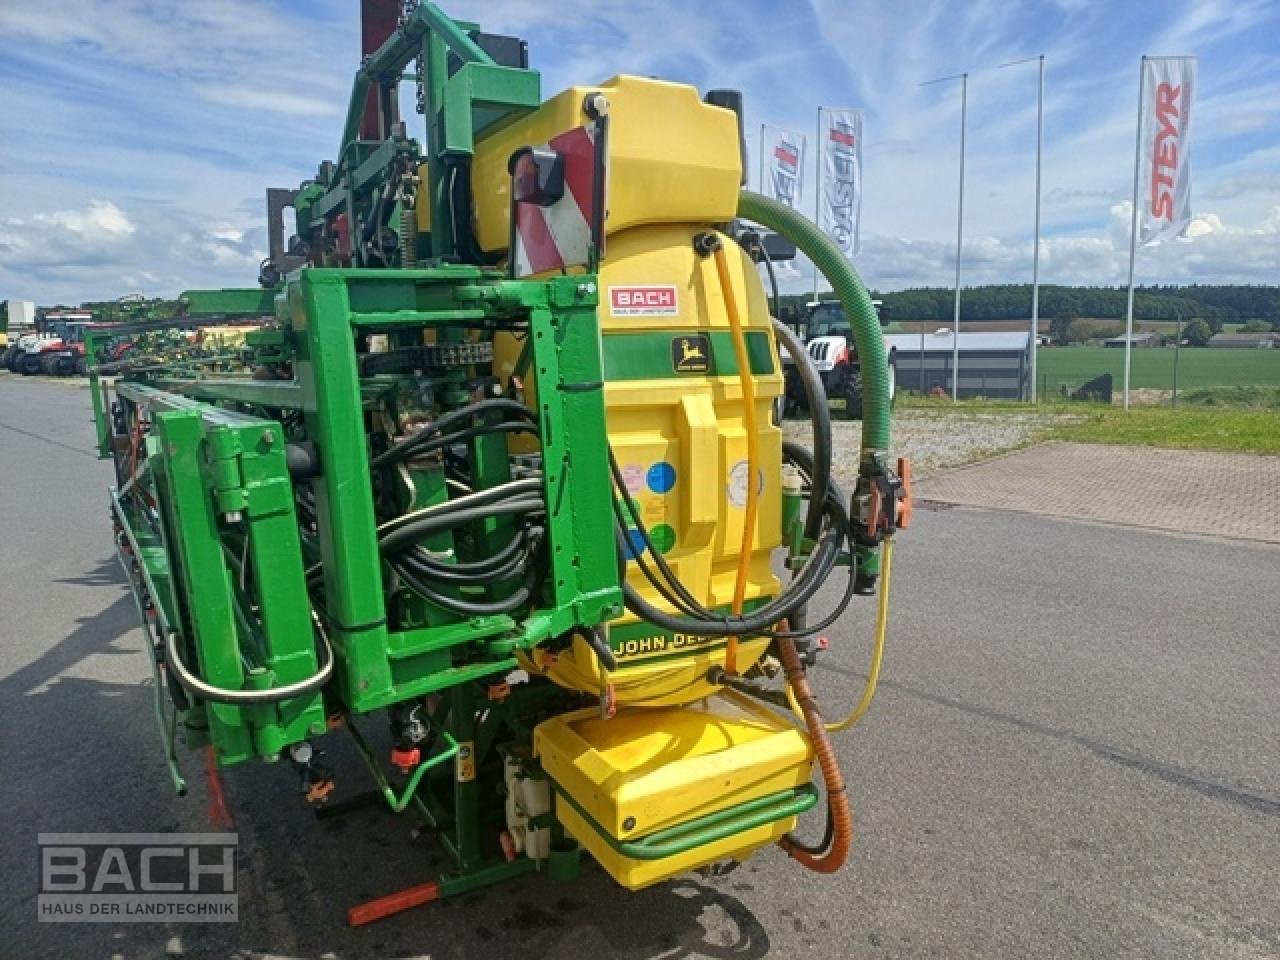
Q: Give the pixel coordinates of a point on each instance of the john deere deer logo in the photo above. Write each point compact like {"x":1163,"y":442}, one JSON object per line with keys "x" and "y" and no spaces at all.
{"x":690,"y":354}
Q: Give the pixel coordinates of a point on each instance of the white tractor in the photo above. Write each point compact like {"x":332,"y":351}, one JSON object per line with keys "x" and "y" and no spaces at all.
{"x":829,"y":341}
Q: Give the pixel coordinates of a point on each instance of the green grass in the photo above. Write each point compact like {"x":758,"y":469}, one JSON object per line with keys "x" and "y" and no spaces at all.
{"x":1238,"y":431}
{"x":1198,"y":367}
{"x":1182,"y":428}
{"x":1240,"y":398}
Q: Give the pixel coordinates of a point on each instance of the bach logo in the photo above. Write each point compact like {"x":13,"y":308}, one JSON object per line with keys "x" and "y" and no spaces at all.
{"x":137,"y":878}
{"x":654,"y":300}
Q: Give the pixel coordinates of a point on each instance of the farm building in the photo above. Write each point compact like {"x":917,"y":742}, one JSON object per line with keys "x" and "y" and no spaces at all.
{"x":991,"y":364}
{"x":1149,"y":339}
{"x":1250,"y":341}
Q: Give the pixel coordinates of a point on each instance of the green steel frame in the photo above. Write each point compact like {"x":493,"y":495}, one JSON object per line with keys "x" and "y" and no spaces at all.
{"x":207,"y":525}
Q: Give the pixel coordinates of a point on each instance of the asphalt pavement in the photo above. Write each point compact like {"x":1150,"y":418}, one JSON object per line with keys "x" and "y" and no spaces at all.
{"x":1075,"y":753}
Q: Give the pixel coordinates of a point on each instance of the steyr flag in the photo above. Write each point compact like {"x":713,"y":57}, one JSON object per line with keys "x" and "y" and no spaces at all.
{"x":840,"y":196}
{"x":782,"y":153}
{"x":1164,"y":158}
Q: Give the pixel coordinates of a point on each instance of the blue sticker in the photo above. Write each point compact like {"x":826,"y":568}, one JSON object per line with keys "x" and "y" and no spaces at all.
{"x":661,"y":477}
{"x":635,"y":543}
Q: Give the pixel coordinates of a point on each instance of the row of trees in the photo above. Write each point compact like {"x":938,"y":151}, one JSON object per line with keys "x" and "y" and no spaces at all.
{"x":1256,"y":305}
{"x":1216,"y":304}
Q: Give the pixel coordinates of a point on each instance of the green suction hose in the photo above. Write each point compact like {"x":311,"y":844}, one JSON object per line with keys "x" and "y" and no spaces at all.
{"x":853,"y":296}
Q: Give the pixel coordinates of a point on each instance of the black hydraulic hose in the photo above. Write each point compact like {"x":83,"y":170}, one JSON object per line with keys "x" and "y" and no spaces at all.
{"x":477,"y":568}
{"x":461,"y":436}
{"x":596,"y":641}
{"x":689,"y":601}
{"x":511,"y":489}
{"x":820,"y":415}
{"x":470,"y":608}
{"x":759,"y":621}
{"x":655,"y":581}
{"x":445,"y":573}
{"x":801,"y":457}
{"x":443,"y":423}
{"x":797,"y":455}
{"x":404,"y":537}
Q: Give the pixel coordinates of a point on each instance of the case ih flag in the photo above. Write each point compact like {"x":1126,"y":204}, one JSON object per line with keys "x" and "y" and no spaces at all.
{"x":559,"y":236}
{"x":840,"y":177}
{"x":783,"y":152}
{"x":1164,"y":158}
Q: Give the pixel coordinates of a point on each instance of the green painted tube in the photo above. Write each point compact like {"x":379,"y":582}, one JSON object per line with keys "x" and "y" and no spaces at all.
{"x":707,"y":829}
{"x":853,"y":296}
{"x":399,"y":804}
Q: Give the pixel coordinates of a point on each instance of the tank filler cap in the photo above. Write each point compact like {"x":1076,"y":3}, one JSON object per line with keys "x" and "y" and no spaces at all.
{"x":595,"y":105}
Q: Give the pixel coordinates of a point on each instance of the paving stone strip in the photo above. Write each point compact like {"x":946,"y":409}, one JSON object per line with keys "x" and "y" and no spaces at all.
{"x":1184,"y":491}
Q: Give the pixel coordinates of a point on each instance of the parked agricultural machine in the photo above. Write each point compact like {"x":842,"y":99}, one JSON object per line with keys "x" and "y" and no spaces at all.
{"x":502,"y":477}
{"x":55,"y":350}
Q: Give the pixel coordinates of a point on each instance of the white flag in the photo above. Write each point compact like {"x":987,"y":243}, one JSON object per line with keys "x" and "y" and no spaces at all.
{"x":1164,"y":161}
{"x":840,"y":203}
{"x":783,"y":167}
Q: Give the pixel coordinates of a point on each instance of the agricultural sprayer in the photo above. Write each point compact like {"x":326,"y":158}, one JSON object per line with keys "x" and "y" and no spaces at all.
{"x":502,"y":474}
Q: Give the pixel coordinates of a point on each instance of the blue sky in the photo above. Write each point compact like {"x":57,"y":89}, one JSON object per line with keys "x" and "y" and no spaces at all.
{"x":137,"y":136}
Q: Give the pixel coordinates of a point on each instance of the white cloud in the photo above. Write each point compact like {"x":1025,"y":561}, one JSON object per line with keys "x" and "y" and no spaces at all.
{"x":1217,"y":252}
{"x":101,"y":217}
{"x":274,"y":101}
{"x":69,"y":255}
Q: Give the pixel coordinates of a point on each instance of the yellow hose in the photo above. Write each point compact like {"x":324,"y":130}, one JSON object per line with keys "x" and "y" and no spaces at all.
{"x":877,"y":653}
{"x":753,"y":442}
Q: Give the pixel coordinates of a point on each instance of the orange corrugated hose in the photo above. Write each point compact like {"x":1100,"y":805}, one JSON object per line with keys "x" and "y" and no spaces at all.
{"x":841,"y":814}
{"x":753,"y":443}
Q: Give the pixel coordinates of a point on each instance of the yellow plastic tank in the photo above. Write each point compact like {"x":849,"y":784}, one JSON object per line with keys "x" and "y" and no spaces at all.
{"x":676,"y":422}
{"x":671,"y":158}
{"x":645,"y":771}
{"x":673,"y":395}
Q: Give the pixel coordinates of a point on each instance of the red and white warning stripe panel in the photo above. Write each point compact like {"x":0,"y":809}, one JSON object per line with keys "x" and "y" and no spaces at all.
{"x":559,"y":236}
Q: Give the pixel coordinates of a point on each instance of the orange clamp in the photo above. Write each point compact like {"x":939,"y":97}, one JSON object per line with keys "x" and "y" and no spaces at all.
{"x":905,"y":506}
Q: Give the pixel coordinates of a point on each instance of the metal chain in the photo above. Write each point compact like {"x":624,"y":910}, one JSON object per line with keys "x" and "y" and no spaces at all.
{"x":419,"y":65}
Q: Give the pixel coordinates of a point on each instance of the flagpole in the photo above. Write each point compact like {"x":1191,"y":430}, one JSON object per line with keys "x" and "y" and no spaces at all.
{"x":955,"y":322}
{"x":1035,"y":255}
{"x":763,"y":127}
{"x":1035,"y":258}
{"x":817,"y":200}
{"x":955,"y":325}
{"x":1133,"y":229}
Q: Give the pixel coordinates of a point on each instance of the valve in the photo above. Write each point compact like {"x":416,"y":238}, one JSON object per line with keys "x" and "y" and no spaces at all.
{"x":881,"y":506}
{"x":405,"y":760}
{"x":881,"y":501}
{"x":316,"y":778}
{"x":408,"y":731}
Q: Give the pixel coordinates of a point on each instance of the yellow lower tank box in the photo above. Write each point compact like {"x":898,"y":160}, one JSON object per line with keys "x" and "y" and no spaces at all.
{"x":656,"y":792}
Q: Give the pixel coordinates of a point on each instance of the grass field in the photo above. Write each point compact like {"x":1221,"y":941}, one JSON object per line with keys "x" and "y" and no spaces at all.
{"x":1185,"y":428}
{"x":1197,"y":367}
{"x":1236,"y":431}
